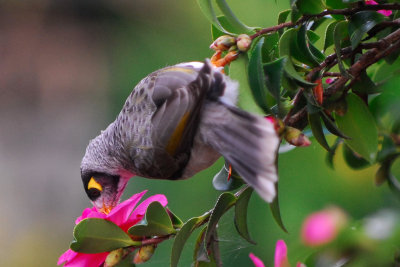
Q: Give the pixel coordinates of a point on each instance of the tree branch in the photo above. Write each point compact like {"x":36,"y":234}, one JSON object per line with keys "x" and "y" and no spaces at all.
{"x":345,"y":12}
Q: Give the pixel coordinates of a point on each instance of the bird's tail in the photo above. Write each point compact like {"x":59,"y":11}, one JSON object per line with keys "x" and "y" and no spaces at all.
{"x":248,"y":142}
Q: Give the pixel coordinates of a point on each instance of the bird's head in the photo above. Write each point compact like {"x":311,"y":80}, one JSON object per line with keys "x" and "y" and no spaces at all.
{"x":104,"y":190}
{"x":104,"y":179}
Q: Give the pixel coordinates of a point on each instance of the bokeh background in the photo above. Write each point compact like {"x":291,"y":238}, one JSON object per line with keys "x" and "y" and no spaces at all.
{"x":66,"y":68}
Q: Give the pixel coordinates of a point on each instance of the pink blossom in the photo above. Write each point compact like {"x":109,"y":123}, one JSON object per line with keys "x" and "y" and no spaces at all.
{"x":124,"y":215}
{"x":329,"y":80}
{"x":383,"y":12}
{"x":281,"y":259}
{"x":322,"y":227}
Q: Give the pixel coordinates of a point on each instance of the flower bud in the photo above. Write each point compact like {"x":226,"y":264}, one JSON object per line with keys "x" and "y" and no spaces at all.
{"x":243,"y":42}
{"x":323,"y":226}
{"x":114,"y":257}
{"x":144,"y":254}
{"x":223,"y":43}
{"x":295,"y":137}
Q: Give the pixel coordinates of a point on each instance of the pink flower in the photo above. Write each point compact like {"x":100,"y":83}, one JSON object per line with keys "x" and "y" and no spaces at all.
{"x":281,"y":259}
{"x":386,"y":13}
{"x":329,"y":80}
{"x":124,"y":215}
{"x":322,"y":227}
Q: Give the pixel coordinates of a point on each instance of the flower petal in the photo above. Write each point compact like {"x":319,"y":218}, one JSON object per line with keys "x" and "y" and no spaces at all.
{"x":120,"y":214}
{"x":138,"y":214}
{"x":281,"y":254}
{"x":90,"y":213}
{"x":75,"y":259}
{"x":257,"y":262}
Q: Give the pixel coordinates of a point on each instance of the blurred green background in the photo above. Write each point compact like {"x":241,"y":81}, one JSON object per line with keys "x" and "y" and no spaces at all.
{"x":66,"y":69}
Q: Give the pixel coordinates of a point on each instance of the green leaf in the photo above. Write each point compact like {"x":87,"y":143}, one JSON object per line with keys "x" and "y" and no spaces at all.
{"x":387,"y":148}
{"x":282,"y":17}
{"x":336,"y":4}
{"x":292,"y":73}
{"x":330,"y":155}
{"x":329,"y":39}
{"x":386,"y":107}
{"x":302,"y":52}
{"x":331,"y":126}
{"x":316,"y":128}
{"x":96,"y":235}
{"x":360,"y":23}
{"x":200,"y":254}
{"x":276,"y":211}
{"x":238,"y":72}
{"x":241,"y":214}
{"x":312,"y":37}
{"x":176,"y":221}
{"x":359,"y":125}
{"x":157,"y":222}
{"x":339,"y":33}
{"x":311,"y":7}
{"x":232,"y":19}
{"x":354,"y":161}
{"x":274,"y":73}
{"x":181,"y":238}
{"x":208,"y":11}
{"x":222,"y":183}
{"x":365,"y":85}
{"x":127,"y":261}
{"x":257,"y":78}
{"x":224,"y":202}
{"x":215,"y":32}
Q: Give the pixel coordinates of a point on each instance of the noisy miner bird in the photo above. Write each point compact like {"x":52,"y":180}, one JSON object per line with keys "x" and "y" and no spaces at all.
{"x":176,"y":122}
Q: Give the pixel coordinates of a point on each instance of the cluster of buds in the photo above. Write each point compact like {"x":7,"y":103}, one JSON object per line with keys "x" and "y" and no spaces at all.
{"x":227,"y":42}
{"x":233,"y":45}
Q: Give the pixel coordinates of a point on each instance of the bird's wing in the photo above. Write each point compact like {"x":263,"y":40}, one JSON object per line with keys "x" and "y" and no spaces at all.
{"x":178,"y":93}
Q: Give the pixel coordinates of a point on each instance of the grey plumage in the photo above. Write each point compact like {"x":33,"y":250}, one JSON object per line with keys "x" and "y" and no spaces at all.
{"x":178,"y":121}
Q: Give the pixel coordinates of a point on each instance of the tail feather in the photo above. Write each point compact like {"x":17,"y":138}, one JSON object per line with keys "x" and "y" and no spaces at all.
{"x":248,"y":142}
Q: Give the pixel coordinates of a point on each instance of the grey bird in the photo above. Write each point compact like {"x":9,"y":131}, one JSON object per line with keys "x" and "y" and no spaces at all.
{"x":176,"y":122}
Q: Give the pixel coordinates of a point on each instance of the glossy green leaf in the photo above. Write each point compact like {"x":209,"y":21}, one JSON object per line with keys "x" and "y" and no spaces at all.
{"x":180,"y":240}
{"x":241,"y":214}
{"x":365,"y":85}
{"x":221,"y":182}
{"x":215,"y":32}
{"x":257,"y":78}
{"x":127,"y":261}
{"x":176,"y":221}
{"x":293,"y":74}
{"x":340,"y":32}
{"x":232,"y":19}
{"x":282,"y":17}
{"x":353,"y":160}
{"x":208,"y":11}
{"x":295,"y":14}
{"x":360,"y":126}
{"x":317,"y":23}
{"x":96,"y":235}
{"x":157,"y":222}
{"x":336,"y":4}
{"x":316,"y":128}
{"x":310,"y":6}
{"x":387,"y":148}
{"x":200,"y":254}
{"x":360,"y":23}
{"x":270,"y":49}
{"x":224,"y":202}
{"x":312,"y":36}
{"x":238,"y":72}
{"x":300,"y":48}
{"x":386,"y":107}
{"x":274,"y":72}
{"x":276,"y":211}
{"x":331,"y":126}
{"x":329,"y":40}
{"x":330,"y":155}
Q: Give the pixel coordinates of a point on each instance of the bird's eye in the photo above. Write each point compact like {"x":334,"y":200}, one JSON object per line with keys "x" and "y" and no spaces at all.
{"x":93,"y":184}
{"x":93,"y":194}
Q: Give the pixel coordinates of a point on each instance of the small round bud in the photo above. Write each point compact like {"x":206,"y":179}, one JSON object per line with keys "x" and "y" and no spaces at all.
{"x":144,"y":254}
{"x":114,"y":257}
{"x":295,"y":137}
{"x":223,"y":43}
{"x":243,"y":42}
